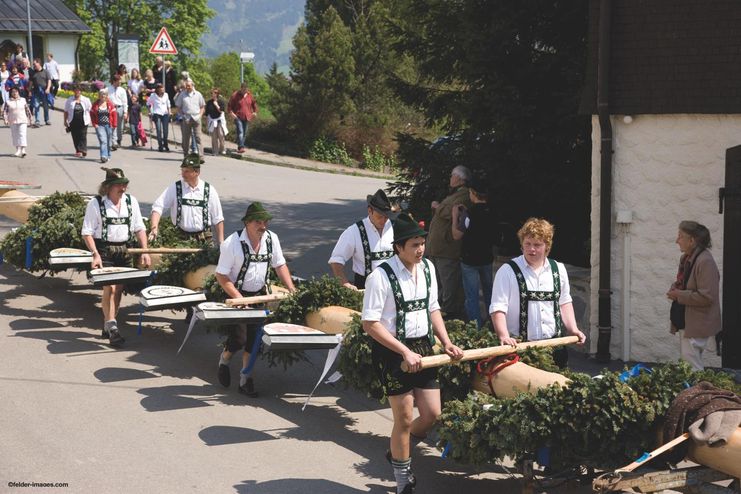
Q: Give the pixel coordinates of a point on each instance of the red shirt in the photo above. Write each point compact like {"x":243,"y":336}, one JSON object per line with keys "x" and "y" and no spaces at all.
{"x":243,"y":106}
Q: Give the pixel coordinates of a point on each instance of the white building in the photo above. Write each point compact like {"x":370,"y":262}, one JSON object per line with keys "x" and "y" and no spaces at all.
{"x":54,"y":28}
{"x":674,"y":106}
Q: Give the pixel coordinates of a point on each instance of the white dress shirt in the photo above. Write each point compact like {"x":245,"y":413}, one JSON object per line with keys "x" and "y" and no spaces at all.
{"x":541,"y":323}
{"x":231,"y":259}
{"x":350,"y":246}
{"x":93,"y":225}
{"x":191,"y":217}
{"x":118,"y":97}
{"x":379,"y":304}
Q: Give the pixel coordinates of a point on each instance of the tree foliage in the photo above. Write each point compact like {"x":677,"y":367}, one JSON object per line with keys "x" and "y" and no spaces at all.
{"x":502,"y":79}
{"x":185,"y":21}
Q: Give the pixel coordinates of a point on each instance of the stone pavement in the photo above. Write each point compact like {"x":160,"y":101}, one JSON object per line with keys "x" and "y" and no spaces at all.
{"x":144,"y":419}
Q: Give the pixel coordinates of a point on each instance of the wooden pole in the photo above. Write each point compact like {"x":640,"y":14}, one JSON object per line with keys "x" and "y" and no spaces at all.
{"x":494,"y":351}
{"x":258,"y":299}
{"x":165,"y":250}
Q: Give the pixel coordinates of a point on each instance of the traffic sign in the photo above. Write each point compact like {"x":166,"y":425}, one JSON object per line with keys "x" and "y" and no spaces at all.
{"x":163,"y":44}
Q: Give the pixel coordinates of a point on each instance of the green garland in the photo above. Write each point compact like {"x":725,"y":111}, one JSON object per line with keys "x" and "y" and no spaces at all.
{"x":601,"y":423}
{"x":314,"y":294}
{"x":53,"y":222}
{"x":173,"y":267}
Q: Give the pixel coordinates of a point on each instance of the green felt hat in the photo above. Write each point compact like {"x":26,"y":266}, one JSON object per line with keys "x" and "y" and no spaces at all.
{"x":256,"y":211}
{"x":114,"y":176}
{"x":406,"y":227}
{"x":191,"y":161}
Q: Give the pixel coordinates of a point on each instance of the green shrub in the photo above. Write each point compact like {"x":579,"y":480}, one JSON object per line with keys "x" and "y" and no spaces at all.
{"x":374,"y":159}
{"x":329,"y":151}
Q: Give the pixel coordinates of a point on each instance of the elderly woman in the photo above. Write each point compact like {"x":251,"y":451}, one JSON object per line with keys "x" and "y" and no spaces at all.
{"x":695,"y":293}
{"x":112,"y":220}
{"x":17,"y":115}
{"x":77,"y":118}
{"x":104,"y":118}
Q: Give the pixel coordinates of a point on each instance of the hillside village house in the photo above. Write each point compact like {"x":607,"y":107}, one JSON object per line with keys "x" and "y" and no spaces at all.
{"x":55,"y":29}
{"x":673,"y":106}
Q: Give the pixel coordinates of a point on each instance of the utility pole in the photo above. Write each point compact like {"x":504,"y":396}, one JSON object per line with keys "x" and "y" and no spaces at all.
{"x":30,"y":38}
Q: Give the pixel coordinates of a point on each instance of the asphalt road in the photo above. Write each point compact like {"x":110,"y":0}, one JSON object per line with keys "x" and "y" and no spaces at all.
{"x":143,"y":419}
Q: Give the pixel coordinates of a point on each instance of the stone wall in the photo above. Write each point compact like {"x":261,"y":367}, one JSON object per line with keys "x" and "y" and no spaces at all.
{"x":667,"y":168}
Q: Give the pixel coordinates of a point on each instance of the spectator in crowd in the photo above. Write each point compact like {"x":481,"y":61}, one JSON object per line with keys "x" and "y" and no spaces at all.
{"x":52,"y":67}
{"x":135,"y":118}
{"x":19,"y":58}
{"x":443,"y":250}
{"x":170,"y":82}
{"x":123,"y":74}
{"x":135,"y":84}
{"x":474,"y":227}
{"x":157,"y":68}
{"x":104,"y":118}
{"x":243,"y":109}
{"x":77,"y":118}
{"x":531,"y":297}
{"x":150,"y":83}
{"x":159,"y":113}
{"x":118,"y":97}
{"x":17,"y":115}
{"x":216,"y":121}
{"x":4,"y":76}
{"x":17,"y":80}
{"x":191,"y":106}
{"x":695,"y":294}
{"x":40,"y":90}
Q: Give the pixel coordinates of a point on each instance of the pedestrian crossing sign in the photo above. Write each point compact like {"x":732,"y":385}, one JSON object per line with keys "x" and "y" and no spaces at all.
{"x":163,"y":44}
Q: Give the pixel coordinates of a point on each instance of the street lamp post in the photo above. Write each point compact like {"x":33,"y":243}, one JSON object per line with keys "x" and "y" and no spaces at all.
{"x":30,"y":39}
{"x":245,"y":56}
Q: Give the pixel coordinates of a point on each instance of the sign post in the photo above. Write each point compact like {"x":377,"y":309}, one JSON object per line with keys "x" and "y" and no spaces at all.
{"x":163,"y":45}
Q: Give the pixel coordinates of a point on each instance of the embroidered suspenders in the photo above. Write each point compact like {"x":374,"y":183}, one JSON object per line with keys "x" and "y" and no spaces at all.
{"x":404,"y":306}
{"x":250,"y":258}
{"x":197,"y":203}
{"x":105,"y":220}
{"x":538,"y":296}
{"x":367,"y":254}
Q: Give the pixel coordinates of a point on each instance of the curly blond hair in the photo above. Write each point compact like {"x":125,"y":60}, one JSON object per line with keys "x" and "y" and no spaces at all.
{"x":539,"y":229}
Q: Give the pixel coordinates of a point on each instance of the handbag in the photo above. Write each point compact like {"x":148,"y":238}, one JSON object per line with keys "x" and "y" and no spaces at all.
{"x":676,"y":315}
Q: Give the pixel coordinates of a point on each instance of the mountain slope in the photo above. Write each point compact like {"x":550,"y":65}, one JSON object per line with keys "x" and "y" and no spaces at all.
{"x":265,"y":27}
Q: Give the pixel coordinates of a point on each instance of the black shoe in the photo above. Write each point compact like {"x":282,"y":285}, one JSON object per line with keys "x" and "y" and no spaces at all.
{"x":114,"y":338}
{"x":225,"y":377}
{"x":202,"y":161}
{"x":408,"y":489}
{"x":104,"y":334}
{"x":248,"y":388}
{"x":412,"y":477}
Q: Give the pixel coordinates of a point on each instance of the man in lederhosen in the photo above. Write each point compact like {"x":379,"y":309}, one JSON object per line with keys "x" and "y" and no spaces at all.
{"x":367,"y":243}
{"x":194,"y":205}
{"x":402,"y":314}
{"x":112,"y":220}
{"x":531,"y":297}
{"x":244,"y":262}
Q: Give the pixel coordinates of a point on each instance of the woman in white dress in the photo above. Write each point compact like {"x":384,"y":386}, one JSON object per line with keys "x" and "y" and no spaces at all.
{"x":17,"y":115}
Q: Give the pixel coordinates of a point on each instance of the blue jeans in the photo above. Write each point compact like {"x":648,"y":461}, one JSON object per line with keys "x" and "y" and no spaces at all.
{"x":472,"y":275}
{"x":134,"y":130}
{"x":162,"y":124}
{"x":39,"y":99}
{"x":105,"y":138}
{"x":241,"y":131}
